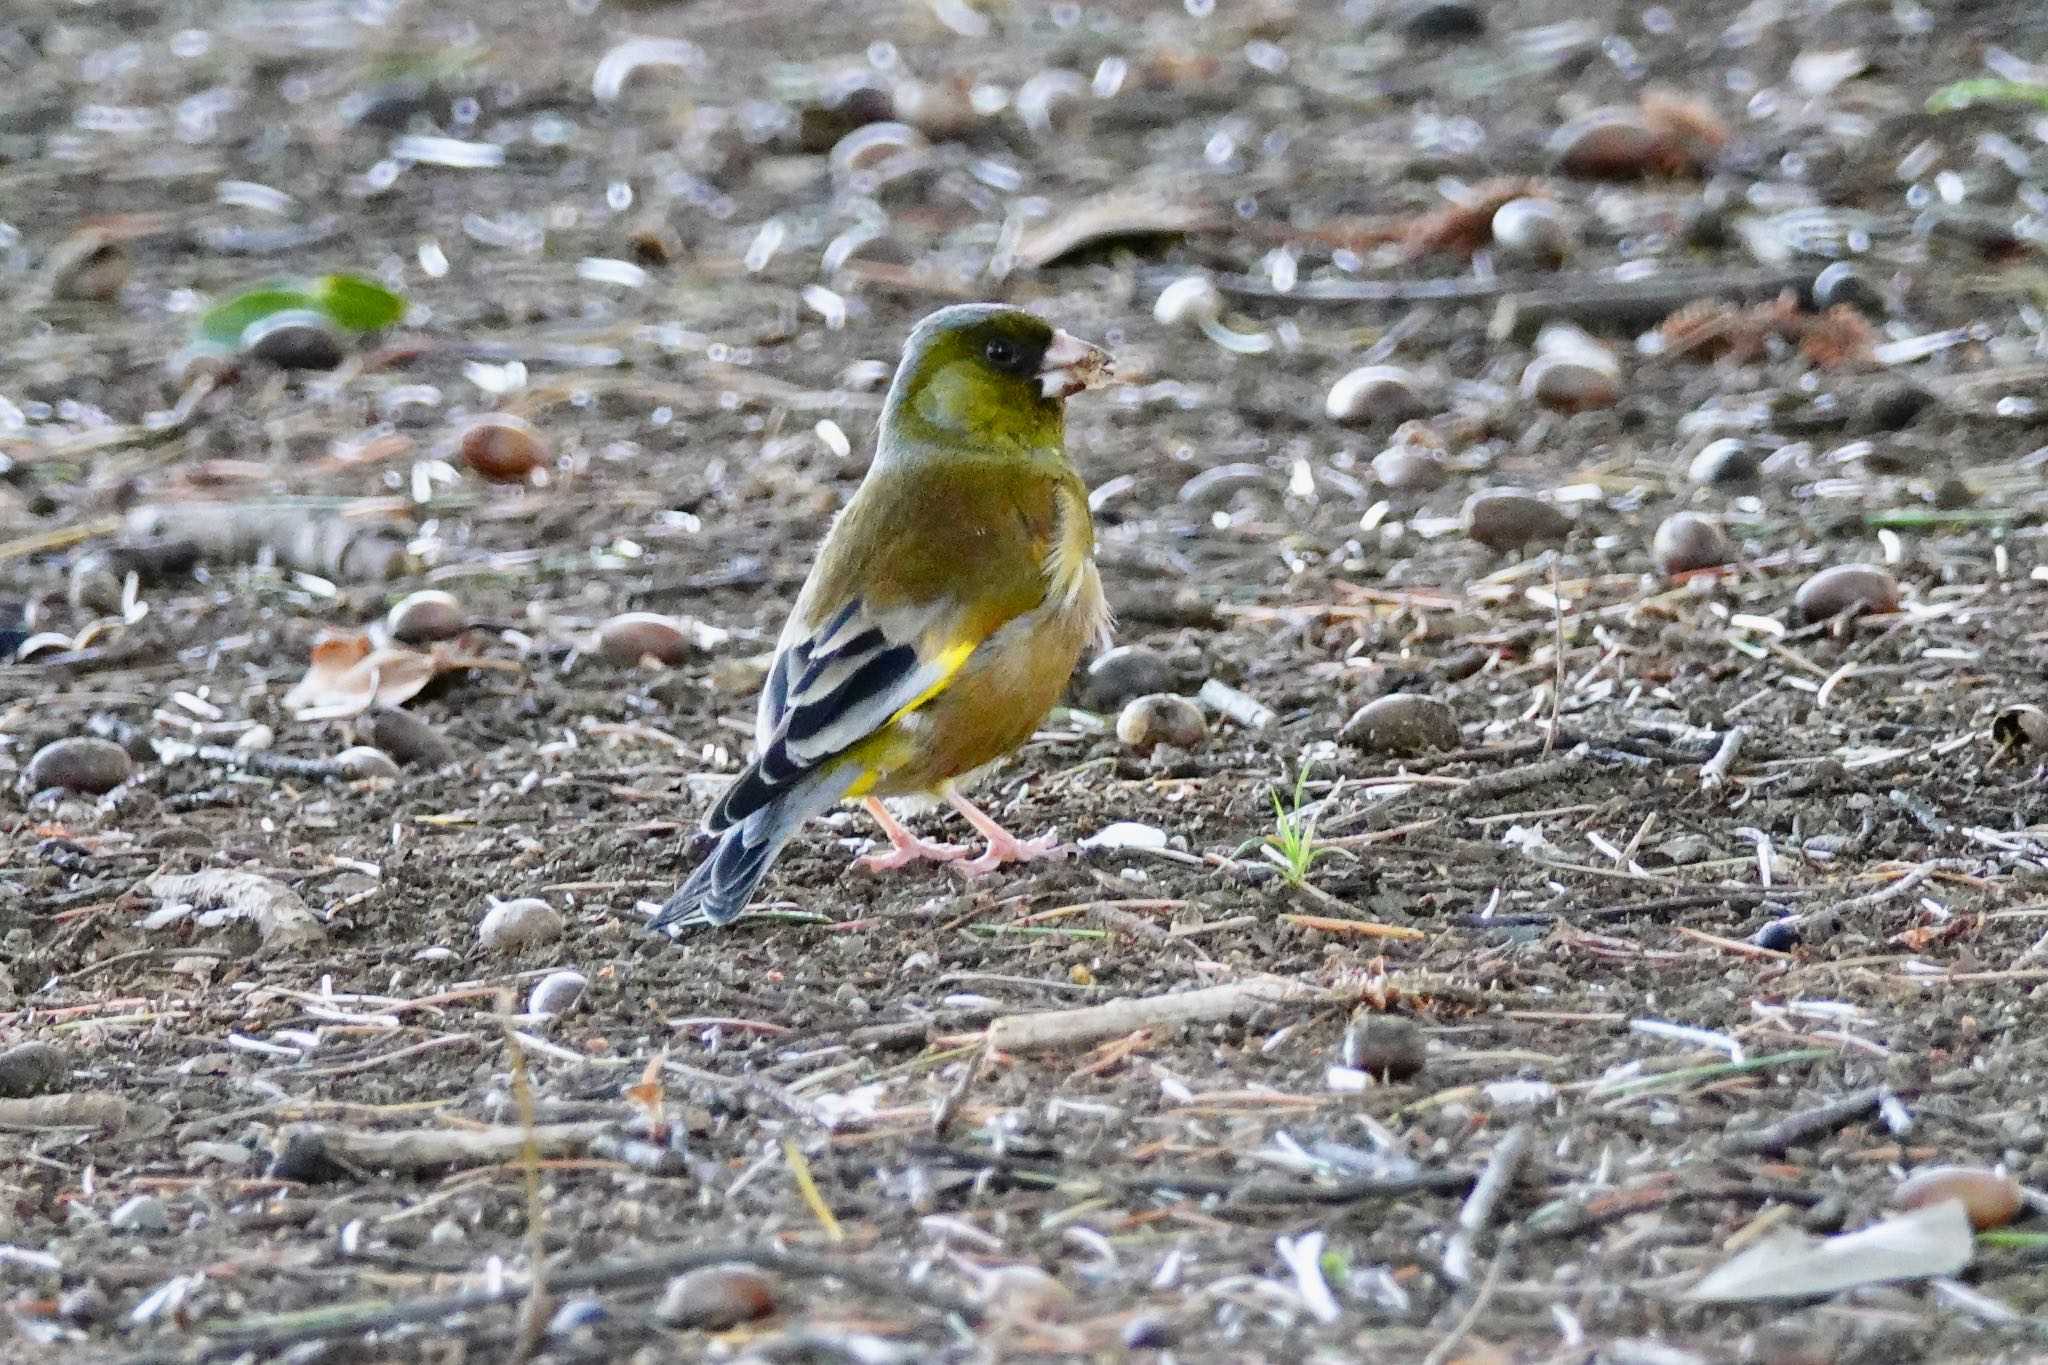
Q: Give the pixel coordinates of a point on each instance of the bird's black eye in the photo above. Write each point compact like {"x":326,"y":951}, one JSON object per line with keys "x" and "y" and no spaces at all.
{"x":1003,"y":353}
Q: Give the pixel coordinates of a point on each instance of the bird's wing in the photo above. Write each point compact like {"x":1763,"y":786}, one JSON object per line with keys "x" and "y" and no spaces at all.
{"x":838,"y":683}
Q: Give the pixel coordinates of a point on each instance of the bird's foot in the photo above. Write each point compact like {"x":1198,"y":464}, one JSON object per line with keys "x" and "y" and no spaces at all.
{"x":905,"y":847}
{"x":911,"y":849}
{"x":1004,"y":847}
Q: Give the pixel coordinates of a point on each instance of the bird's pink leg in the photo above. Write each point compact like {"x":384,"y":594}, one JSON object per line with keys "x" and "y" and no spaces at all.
{"x":1003,"y":846}
{"x":904,"y":847}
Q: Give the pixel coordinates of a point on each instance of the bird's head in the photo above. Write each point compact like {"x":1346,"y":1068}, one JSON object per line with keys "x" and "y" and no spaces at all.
{"x":991,"y":375}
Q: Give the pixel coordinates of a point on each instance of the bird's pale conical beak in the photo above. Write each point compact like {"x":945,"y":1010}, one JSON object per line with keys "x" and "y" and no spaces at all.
{"x":1071,"y":365}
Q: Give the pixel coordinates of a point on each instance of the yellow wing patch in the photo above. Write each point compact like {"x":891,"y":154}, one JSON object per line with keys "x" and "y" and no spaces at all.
{"x":951,"y":660}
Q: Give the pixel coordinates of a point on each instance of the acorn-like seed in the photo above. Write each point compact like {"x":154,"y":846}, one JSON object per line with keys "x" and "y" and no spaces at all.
{"x":1384,"y":1045}
{"x":515,"y":924}
{"x":1161,"y":718}
{"x":1402,"y":723}
{"x":363,"y":762}
{"x":503,"y":448}
{"x":713,"y":1298}
{"x":1375,"y":393}
{"x":1726,"y":463}
{"x":2020,"y":727}
{"x":1510,"y":518}
{"x":1575,"y":380}
{"x":1610,"y":143}
{"x":556,"y":993}
{"x":1686,"y":542}
{"x":80,"y":763}
{"x":1534,"y":231}
{"x":295,"y":339}
{"x":1411,"y":464}
{"x":426,"y":616}
{"x":1992,"y":1200}
{"x":635,"y":635}
{"x":1832,"y":591}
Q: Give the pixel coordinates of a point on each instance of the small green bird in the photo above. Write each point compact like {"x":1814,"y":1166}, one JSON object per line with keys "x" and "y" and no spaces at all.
{"x":945,"y":612}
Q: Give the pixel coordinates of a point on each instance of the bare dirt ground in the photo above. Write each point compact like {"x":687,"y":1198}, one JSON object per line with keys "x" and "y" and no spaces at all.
{"x":1534,"y":947}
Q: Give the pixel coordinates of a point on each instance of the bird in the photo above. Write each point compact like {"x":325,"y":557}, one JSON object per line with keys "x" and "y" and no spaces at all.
{"x":942,"y":617}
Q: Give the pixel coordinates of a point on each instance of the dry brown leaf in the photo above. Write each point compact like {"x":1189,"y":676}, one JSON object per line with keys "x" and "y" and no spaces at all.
{"x":348,"y":676}
{"x":1100,"y":222}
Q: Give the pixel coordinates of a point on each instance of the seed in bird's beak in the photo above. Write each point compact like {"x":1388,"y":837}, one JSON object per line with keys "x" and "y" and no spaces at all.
{"x":1071,"y":365}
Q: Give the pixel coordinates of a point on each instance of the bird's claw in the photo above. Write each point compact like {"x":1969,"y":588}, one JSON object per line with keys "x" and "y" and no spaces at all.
{"x":900,"y":854}
{"x":1009,"y":849}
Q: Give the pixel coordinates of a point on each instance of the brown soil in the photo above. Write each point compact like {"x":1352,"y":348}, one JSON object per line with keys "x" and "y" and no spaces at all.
{"x":1527,"y":900}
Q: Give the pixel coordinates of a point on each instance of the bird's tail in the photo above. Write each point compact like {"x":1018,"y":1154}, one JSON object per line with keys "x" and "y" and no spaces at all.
{"x":723,"y":883}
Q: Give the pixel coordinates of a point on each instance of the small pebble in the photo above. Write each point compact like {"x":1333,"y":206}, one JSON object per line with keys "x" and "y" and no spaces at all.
{"x":1117,"y":675}
{"x":713,"y":1298}
{"x":1991,"y":1198}
{"x":1159,"y":718}
{"x":556,"y":993}
{"x":1686,"y":542}
{"x":32,"y":1068}
{"x":1832,"y":591}
{"x":1778,"y":935}
{"x":295,"y":339}
{"x":1402,"y":723}
{"x":1386,"y":1046}
{"x":523,"y":923}
{"x":1376,"y":393}
{"x":1414,"y":462}
{"x":1510,"y":518}
{"x":503,"y":448}
{"x":408,"y":739}
{"x":1725,"y":463}
{"x":1533,"y":231}
{"x":363,"y":762}
{"x":86,"y":1304}
{"x":1151,"y":1332}
{"x":1844,"y":283}
{"x":143,"y":1213}
{"x":426,"y":616}
{"x":94,"y":586}
{"x":1436,"y":19}
{"x":636,"y":635}
{"x":80,"y":763}
{"x":1610,"y":143}
{"x":575,"y":1313}
{"x":1572,"y":381}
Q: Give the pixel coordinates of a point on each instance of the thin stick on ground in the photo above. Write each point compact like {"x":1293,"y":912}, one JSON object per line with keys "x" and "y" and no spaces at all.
{"x":1444,"y":1349}
{"x":1092,"y":1023}
{"x":1714,"y":772}
{"x":264,"y":1335}
{"x":534,"y":1309}
{"x":1480,"y":1206}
